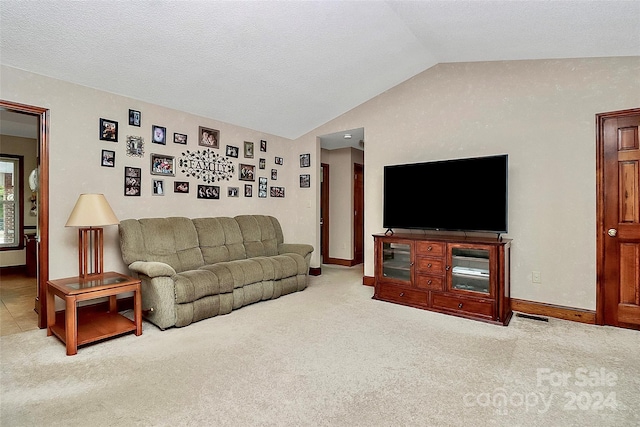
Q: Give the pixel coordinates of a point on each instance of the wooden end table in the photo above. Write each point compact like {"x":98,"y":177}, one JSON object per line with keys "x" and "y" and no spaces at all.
{"x":91,"y":325}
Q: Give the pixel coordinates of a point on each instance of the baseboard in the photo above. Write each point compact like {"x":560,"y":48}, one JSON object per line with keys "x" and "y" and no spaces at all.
{"x":556,"y":311}
{"x":14,"y":269}
{"x":368,"y":281}
{"x":339,"y":261}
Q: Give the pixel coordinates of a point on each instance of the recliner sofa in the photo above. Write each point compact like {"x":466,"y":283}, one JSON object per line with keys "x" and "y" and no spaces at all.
{"x":193,"y":269}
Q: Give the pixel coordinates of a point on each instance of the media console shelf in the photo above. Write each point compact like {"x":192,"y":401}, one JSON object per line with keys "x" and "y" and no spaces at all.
{"x":466,"y":277}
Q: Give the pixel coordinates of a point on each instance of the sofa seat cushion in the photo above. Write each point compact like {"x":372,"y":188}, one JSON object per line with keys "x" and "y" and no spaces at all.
{"x":195,"y":284}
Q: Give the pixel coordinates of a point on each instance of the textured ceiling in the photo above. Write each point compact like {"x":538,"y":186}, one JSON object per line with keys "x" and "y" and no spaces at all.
{"x":287,"y":67}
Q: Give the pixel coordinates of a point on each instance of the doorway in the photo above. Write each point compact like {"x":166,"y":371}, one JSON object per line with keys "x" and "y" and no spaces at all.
{"x":618,"y":219}
{"x":40,"y":182}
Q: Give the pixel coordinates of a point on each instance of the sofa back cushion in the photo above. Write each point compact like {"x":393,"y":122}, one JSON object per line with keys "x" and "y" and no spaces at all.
{"x":220,"y":239}
{"x":173,"y":241}
{"x":261,"y":234}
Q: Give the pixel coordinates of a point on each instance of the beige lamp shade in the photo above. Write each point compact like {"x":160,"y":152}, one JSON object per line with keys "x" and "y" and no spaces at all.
{"x":92,"y":210}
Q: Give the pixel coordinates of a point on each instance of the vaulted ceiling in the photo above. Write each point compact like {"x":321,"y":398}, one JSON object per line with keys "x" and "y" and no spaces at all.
{"x":286,"y":67}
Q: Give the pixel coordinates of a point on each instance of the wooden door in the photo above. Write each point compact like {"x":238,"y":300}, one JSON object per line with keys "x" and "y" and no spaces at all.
{"x":358,"y":220}
{"x":618,"y":293}
{"x":324,"y":212}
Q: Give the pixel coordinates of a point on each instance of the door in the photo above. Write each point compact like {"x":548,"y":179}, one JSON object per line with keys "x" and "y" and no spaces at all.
{"x":324,"y":212}
{"x":618,"y":293}
{"x":358,"y":220}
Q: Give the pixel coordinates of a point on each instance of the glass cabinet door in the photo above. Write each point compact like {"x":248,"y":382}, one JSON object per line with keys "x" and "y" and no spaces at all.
{"x":396,"y":261}
{"x":470,"y":269}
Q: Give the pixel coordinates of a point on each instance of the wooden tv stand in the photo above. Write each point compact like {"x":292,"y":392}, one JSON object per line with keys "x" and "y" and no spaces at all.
{"x":466,"y":277}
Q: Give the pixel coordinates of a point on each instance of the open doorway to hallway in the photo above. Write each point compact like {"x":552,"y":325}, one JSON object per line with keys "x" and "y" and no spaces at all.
{"x":342,"y":197}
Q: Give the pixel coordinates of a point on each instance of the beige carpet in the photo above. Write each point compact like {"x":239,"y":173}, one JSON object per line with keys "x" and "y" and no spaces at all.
{"x":329,"y":356}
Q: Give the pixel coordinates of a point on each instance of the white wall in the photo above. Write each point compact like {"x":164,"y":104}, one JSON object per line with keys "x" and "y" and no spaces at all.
{"x":75,"y":151}
{"x":541,"y":113}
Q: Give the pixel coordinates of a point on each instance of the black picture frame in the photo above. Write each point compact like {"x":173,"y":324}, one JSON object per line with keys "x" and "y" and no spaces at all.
{"x":305,"y":160}
{"x":248,"y":190}
{"x":208,"y":192}
{"x":247,"y":172}
{"x":262,"y":187}
{"x":179,"y":138}
{"x":277,"y":192}
{"x":279,"y":161}
{"x":108,"y":130}
{"x":305,"y":181}
{"x":135,"y":118}
{"x":232,"y":151}
{"x":274,"y":174}
{"x":158,"y":135}
{"x":108,"y":158}
{"x":132,"y":181}
{"x":262,"y":163}
{"x":181,"y":187}
{"x":233,"y":191}
{"x":263,"y":145}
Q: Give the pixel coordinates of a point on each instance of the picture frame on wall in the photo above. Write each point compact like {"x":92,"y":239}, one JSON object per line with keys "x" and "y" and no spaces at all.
{"x":159,"y":135}
{"x":263,"y":145}
{"x":208,"y":192}
{"x":305,"y":160}
{"x":232,"y":151}
{"x":262,"y":187}
{"x":305,"y":181}
{"x":108,"y":158}
{"x":135,"y":146}
{"x":135,"y":118}
{"x":277,"y":192}
{"x":247,"y":172}
{"x":162,"y":165}
{"x":279,"y":161}
{"x":179,"y":138}
{"x":132,"y":181}
{"x":158,"y":187}
{"x":248,"y":190}
{"x":262,"y":164}
{"x":274,"y":174}
{"x":248,"y":150}
{"x":208,"y":137}
{"x":108,"y":130}
{"x":233,"y":192}
{"x":181,"y":187}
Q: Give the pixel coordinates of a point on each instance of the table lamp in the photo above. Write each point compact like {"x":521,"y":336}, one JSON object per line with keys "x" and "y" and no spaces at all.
{"x":91,"y":213}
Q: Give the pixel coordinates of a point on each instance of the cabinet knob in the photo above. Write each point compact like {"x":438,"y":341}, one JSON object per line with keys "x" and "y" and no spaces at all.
{"x":460,"y":305}
{"x":447,"y":268}
{"x":429,"y":265}
{"x":430,"y":248}
{"x":429,"y":281}
{"x":401,"y":294}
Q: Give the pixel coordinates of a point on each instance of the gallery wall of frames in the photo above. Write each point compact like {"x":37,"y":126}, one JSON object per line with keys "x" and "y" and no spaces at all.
{"x":216,"y":167}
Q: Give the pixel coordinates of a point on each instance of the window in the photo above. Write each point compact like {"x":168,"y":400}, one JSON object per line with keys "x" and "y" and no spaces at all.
{"x":10,"y":202}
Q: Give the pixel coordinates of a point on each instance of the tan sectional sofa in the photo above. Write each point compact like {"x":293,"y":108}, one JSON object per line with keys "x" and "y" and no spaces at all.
{"x":192,"y":269}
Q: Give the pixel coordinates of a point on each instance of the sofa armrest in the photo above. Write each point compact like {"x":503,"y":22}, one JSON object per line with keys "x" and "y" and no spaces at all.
{"x":297,"y":248}
{"x":152,"y":268}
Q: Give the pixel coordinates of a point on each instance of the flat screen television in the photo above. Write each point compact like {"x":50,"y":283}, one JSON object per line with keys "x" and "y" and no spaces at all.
{"x":467,"y":194}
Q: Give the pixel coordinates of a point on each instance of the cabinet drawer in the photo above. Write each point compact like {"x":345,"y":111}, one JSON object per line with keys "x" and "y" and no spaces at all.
{"x":430,"y":265}
{"x":401,"y":295}
{"x":434,"y":249}
{"x":431,"y":283}
{"x":483,"y":308}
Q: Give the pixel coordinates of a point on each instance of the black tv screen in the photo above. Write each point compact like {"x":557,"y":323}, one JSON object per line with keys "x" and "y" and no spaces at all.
{"x":462,"y":194}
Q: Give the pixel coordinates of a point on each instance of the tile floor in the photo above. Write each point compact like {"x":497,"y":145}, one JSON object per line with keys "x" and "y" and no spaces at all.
{"x":17,"y":301}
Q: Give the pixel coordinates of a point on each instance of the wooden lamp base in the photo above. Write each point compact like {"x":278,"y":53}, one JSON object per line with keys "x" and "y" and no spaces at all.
{"x":90,"y":243}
